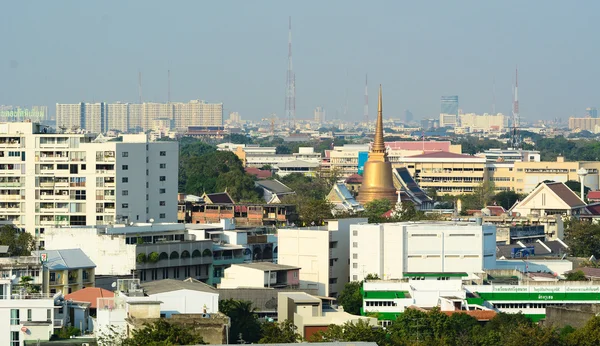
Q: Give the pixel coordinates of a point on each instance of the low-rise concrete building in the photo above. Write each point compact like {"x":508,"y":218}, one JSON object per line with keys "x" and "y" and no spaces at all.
{"x":260,"y":275}
{"x":66,"y":270}
{"x":187,"y":296}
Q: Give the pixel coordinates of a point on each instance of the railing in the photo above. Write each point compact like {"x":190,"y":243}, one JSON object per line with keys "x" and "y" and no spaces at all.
{"x":27,"y":296}
{"x":58,"y":323}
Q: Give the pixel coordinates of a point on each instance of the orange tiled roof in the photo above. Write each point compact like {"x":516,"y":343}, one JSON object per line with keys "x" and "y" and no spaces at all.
{"x":90,"y":295}
{"x":480,"y":315}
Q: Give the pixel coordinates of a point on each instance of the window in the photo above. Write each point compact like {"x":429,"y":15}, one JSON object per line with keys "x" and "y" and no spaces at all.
{"x":163,"y":153}
{"x":14,"y":339}
{"x":125,"y":154}
{"x":125,"y":180}
{"x":355,"y":265}
{"x":49,"y":315}
{"x":355,"y":233}
{"x":162,"y":216}
{"x":28,"y":315}
{"x":163,"y":165}
{"x":125,"y":205}
{"x":354,"y":277}
{"x":14,"y":317}
{"x":295,"y":274}
{"x":125,"y":167}
{"x":355,"y":244}
{"x":125,"y":193}
{"x":355,"y":256}
{"x":162,"y":178}
{"x":162,"y":203}
{"x":162,"y":190}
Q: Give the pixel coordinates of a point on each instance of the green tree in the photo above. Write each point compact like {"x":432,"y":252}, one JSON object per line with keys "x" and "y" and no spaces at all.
{"x":376,"y":208}
{"x":484,"y":193}
{"x":19,"y":243}
{"x":163,"y":333}
{"x":351,"y":298}
{"x":583,"y":238}
{"x":243,"y":319}
{"x":351,"y":332}
{"x":279,"y":333}
{"x":575,"y":186}
{"x":576,"y":276}
{"x":506,"y":199}
{"x":588,"y":335}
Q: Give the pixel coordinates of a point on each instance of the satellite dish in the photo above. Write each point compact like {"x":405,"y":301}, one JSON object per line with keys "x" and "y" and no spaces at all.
{"x":151,"y":220}
{"x":13,"y":277}
{"x":131,"y":223}
{"x":113,"y":285}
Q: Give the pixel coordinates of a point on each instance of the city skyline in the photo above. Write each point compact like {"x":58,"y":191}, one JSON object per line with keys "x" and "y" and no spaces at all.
{"x":240,"y":58}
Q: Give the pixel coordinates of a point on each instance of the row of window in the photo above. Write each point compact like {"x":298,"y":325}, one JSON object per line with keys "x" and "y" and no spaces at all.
{"x":161,"y":165}
{"x":126,"y":153}
{"x":380,"y":303}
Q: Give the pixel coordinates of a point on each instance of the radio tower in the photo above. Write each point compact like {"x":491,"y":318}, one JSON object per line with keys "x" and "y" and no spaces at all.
{"x":516,"y":118}
{"x":290,"y":86}
{"x":366,"y":103}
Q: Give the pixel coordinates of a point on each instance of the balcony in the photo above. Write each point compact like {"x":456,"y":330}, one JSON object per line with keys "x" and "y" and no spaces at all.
{"x":57,"y":323}
{"x":46,"y":184}
{"x":11,"y":197}
{"x":27,"y":296}
{"x":62,"y":184}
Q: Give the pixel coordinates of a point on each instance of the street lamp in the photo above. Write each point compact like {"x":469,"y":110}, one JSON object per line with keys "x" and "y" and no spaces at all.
{"x":582,"y":172}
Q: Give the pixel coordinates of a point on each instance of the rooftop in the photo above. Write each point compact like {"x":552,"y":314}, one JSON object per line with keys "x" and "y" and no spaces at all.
{"x":297,"y":164}
{"x":66,"y":259}
{"x":566,"y":194}
{"x":170,"y":285}
{"x":90,"y":295}
{"x":274,"y":186}
{"x":444,"y":155}
{"x":218,"y":198}
{"x":301,"y":297}
{"x":266,"y":266}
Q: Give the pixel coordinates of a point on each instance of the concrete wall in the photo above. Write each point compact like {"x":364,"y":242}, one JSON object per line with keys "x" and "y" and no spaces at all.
{"x":575,"y":316}
{"x":236,"y":276}
{"x":187,"y":302}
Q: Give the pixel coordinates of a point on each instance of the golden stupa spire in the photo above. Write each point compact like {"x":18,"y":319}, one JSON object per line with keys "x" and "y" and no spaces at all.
{"x":378,"y":143}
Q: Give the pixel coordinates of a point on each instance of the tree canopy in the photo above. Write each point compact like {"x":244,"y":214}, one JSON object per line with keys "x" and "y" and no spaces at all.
{"x":583,"y":238}
{"x":244,"y":322}
{"x":19,"y":243}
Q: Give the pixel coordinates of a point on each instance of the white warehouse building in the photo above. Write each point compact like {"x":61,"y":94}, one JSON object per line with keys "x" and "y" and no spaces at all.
{"x":391,"y":249}
{"x":50,"y":179}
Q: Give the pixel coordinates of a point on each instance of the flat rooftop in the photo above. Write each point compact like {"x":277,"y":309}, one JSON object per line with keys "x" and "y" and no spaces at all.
{"x":266,"y":266}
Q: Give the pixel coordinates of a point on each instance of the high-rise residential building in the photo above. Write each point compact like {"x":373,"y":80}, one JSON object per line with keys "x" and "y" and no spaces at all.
{"x":50,"y":179}
{"x":585,"y":124}
{"x":94,"y":117}
{"x":118,"y":116}
{"x":484,"y":123}
{"x":449,"y":105}
{"x":124,"y":117}
{"x":319,"y":115}
{"x":591,"y":112}
{"x":68,"y":116}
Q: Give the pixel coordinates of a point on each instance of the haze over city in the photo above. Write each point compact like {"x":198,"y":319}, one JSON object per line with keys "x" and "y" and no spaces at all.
{"x":236,"y":52}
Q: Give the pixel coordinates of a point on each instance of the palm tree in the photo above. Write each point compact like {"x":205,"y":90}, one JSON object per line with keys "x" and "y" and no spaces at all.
{"x":243,"y":319}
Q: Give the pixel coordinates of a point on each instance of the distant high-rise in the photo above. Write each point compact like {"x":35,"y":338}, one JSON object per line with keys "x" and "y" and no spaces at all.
{"x":408,"y":116}
{"x":319,"y":115}
{"x":449,"y":105}
{"x":591,"y":112}
{"x":102,"y":117}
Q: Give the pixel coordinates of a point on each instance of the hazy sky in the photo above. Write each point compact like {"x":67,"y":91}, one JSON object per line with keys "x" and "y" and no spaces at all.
{"x":235,"y":52}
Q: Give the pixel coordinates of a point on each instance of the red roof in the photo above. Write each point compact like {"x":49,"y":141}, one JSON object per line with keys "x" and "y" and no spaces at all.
{"x":259,"y":173}
{"x":496,"y":210}
{"x":420,"y":146}
{"x":444,"y":155}
{"x":593,"y":195}
{"x":90,"y":295}
{"x":480,"y":315}
{"x":354,"y":179}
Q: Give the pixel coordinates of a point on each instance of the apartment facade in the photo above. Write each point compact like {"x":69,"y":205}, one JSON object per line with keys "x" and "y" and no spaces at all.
{"x":125,"y":117}
{"x":584,"y":124}
{"x":49,"y":179}
{"x":320,"y":252}
{"x":392,"y":249}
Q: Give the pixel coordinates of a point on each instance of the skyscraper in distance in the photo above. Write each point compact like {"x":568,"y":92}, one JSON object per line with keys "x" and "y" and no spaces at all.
{"x":408,"y":116}
{"x":591,"y":112}
{"x":449,"y":105}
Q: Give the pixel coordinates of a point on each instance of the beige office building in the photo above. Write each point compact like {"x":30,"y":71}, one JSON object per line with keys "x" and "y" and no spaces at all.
{"x":197,"y":113}
{"x":484,"y":123}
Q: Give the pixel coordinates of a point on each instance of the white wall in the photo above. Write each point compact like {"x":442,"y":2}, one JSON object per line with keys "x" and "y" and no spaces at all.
{"x":237,"y":276}
{"x":39,"y":312}
{"x":187,"y":302}
{"x":389,"y":250}
{"x":109,"y":252}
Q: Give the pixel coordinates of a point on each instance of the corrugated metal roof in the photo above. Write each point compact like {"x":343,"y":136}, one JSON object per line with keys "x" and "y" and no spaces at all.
{"x":66,"y":259}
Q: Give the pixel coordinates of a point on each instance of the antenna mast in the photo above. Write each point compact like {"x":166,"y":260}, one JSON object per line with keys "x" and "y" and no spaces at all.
{"x":516,"y":118}
{"x":168,"y":86}
{"x":140,"y":86}
{"x":290,"y":85}
{"x":366,"y":102}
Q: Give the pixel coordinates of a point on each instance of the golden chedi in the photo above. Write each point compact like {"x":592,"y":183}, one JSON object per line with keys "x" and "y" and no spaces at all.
{"x":378,"y":181}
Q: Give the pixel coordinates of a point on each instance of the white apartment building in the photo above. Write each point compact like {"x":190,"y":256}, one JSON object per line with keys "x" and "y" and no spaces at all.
{"x":484,"y":123}
{"x":256,"y":156}
{"x":392,"y":249}
{"x":68,"y":116}
{"x":321,"y":253}
{"x":118,"y":116}
{"x":25,"y":317}
{"x":49,"y":179}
